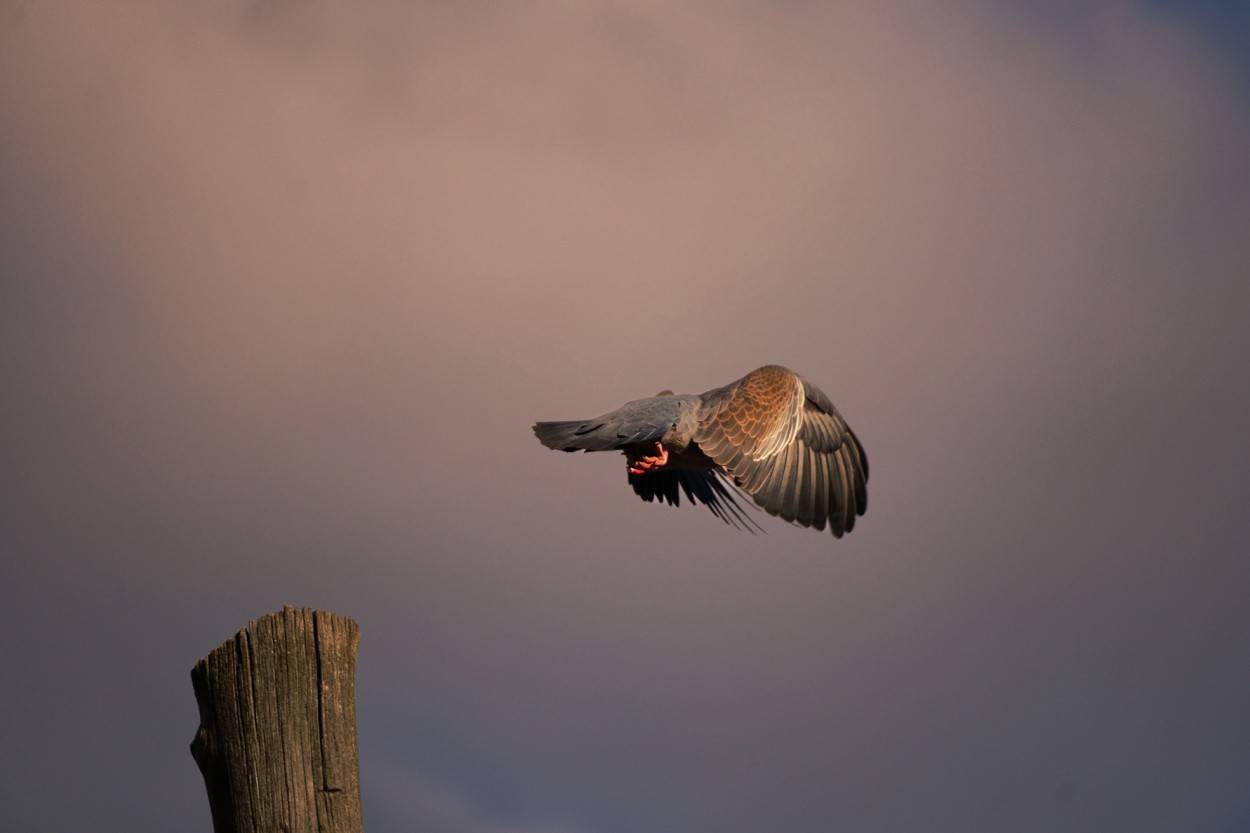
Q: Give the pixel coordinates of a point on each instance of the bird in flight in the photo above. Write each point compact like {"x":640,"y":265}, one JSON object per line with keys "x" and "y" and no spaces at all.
{"x":772,"y":434}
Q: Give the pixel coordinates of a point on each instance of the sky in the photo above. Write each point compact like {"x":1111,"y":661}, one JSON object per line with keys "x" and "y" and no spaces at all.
{"x":283,"y":286}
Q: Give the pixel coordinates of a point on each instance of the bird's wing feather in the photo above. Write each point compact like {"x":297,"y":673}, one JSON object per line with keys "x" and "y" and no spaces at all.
{"x":707,"y":487}
{"x":756,"y":416}
{"x":784,"y":443}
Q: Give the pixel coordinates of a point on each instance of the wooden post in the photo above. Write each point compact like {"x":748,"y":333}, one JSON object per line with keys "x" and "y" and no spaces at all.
{"x":277,"y":737}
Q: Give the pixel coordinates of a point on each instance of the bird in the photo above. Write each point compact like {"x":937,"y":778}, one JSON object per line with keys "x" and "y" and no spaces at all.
{"x":771,"y":435}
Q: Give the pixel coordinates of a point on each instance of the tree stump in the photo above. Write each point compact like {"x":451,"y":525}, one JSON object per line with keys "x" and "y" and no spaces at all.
{"x":277,"y":737}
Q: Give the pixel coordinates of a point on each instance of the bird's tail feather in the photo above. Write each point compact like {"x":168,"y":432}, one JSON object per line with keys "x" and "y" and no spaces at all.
{"x":560,"y":436}
{"x":594,"y":434}
{"x":577,"y":435}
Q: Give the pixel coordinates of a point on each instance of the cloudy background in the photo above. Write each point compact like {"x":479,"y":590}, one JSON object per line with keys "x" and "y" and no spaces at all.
{"x":284,"y":284}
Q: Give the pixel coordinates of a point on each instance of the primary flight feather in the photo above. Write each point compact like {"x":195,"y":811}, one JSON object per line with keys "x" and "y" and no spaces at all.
{"x":772,"y":434}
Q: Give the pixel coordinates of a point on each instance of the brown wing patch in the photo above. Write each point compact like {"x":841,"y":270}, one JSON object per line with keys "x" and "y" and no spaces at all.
{"x":785,"y":444}
{"x":754,"y":417}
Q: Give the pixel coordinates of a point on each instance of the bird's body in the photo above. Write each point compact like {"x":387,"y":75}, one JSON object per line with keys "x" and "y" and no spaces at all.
{"x":772,"y":434}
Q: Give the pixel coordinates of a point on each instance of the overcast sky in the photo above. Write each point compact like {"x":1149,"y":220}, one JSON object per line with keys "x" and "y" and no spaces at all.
{"x":283,"y":286}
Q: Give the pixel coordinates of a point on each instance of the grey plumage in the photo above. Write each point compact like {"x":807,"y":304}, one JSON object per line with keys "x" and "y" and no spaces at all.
{"x":771,"y":434}
{"x":639,"y":421}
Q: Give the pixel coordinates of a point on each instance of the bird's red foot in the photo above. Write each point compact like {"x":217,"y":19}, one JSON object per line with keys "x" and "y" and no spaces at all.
{"x":642,"y":465}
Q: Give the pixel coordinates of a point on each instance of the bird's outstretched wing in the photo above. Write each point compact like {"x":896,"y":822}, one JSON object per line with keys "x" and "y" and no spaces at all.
{"x":782,"y":441}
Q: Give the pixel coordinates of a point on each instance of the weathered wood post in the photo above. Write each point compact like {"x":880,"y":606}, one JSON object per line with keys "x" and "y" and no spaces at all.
{"x":277,"y":737}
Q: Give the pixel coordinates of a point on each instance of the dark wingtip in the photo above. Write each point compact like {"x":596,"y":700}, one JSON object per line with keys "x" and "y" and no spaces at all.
{"x":717,"y":494}
{"x":701,"y":487}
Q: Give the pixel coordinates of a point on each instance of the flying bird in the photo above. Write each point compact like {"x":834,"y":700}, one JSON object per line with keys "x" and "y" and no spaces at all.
{"x":772,"y":434}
